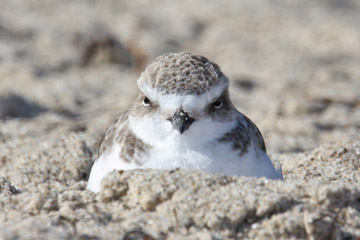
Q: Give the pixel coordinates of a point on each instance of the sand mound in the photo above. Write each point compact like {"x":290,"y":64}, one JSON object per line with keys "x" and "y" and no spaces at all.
{"x":69,"y":68}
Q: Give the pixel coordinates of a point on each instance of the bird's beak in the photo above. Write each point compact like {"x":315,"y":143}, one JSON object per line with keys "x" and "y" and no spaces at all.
{"x":181,"y":121}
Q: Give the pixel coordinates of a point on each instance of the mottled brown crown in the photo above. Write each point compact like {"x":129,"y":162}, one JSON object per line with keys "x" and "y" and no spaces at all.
{"x":182,"y":73}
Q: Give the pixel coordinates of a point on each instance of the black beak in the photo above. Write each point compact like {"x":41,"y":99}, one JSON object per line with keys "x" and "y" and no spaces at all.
{"x":181,"y":121}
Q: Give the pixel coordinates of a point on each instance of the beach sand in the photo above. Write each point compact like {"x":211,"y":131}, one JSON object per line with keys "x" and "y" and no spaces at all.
{"x":69,"y":68}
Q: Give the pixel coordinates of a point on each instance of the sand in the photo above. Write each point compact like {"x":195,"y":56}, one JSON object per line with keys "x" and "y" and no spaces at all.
{"x":69,"y":68}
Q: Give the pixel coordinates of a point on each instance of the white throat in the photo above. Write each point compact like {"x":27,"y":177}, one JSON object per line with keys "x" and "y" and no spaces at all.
{"x":190,"y":150}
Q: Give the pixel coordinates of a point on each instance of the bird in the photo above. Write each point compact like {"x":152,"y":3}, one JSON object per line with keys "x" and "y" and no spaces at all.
{"x":183,"y":118}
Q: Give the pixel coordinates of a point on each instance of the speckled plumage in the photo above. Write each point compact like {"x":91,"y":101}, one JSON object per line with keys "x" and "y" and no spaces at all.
{"x":182,"y":73}
{"x":217,"y":139}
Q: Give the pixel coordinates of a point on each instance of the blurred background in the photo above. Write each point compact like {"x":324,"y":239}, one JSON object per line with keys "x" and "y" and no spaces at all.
{"x":71,"y":66}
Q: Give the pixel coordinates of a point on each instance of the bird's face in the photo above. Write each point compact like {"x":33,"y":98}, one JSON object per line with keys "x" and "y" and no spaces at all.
{"x":182,"y":114}
{"x":182,"y":97}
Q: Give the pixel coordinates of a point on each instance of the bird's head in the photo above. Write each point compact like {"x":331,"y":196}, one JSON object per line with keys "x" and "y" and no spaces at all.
{"x":183,"y":92}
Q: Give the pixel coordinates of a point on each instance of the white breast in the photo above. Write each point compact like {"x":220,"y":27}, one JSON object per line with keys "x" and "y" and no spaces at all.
{"x":190,"y":150}
{"x":253,"y":163}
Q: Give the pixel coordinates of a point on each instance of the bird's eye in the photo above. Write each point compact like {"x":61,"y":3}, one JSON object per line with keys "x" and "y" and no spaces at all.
{"x":218,"y":103}
{"x":146,"y":102}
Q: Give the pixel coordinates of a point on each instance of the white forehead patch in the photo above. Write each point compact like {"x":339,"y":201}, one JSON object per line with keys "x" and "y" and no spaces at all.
{"x":172,"y":102}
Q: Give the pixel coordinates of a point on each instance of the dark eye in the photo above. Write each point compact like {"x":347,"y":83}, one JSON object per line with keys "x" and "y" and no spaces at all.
{"x":218,"y":103}
{"x":146,"y":102}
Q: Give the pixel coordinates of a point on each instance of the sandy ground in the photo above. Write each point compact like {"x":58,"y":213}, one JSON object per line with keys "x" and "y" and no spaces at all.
{"x":69,"y":68}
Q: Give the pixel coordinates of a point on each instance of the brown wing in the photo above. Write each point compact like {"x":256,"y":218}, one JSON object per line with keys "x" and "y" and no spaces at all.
{"x":255,"y":134}
{"x":241,"y":135}
{"x":109,"y":137}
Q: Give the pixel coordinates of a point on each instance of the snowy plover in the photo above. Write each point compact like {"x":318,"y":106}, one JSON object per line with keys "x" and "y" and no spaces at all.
{"x":183,"y":118}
